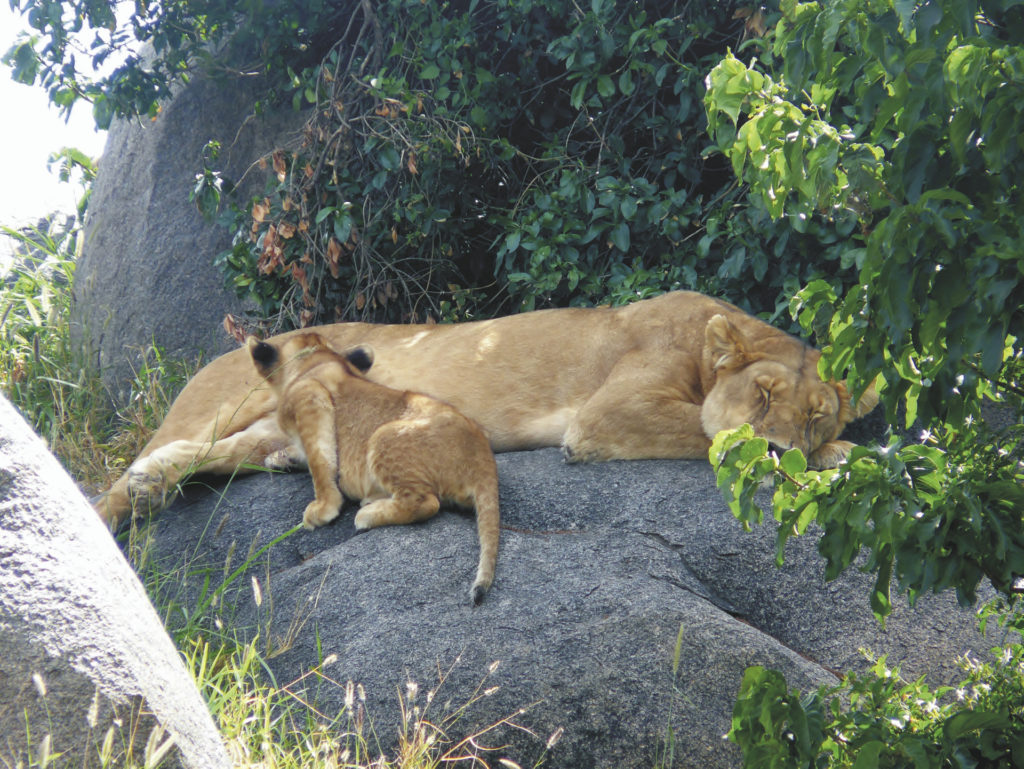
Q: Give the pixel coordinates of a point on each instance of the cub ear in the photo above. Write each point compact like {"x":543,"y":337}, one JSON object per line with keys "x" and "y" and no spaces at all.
{"x":725,"y":343}
{"x":361,"y":357}
{"x":263,"y":355}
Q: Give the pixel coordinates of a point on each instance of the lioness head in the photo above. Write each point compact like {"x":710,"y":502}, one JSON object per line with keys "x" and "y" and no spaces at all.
{"x":279,"y":364}
{"x":772,"y":384}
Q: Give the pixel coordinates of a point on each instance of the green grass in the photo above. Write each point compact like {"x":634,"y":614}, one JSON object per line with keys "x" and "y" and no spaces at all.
{"x":47,"y":379}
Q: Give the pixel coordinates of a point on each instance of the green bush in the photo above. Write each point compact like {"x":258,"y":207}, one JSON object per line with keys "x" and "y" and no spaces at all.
{"x":465,"y":160}
{"x":904,"y":117}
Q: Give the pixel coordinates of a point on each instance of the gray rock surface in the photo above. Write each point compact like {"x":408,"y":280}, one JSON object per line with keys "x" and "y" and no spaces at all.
{"x":146,"y":274}
{"x":599,"y":567}
{"x":81,"y":648}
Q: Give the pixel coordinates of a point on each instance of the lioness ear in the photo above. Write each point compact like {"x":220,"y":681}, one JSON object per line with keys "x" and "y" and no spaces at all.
{"x":725,"y":343}
{"x":866,"y":402}
{"x":263,"y":355}
{"x":361,"y":357}
{"x":848,"y":410}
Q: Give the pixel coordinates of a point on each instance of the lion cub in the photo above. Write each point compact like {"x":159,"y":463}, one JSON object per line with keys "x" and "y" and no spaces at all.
{"x":400,"y":453}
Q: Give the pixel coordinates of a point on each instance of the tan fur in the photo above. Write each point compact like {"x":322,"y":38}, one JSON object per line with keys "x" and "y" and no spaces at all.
{"x":400,"y":453}
{"x":654,"y":379}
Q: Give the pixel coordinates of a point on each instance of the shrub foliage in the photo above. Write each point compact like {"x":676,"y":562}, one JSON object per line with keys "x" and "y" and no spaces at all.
{"x":461,"y":159}
{"x":900,"y":116}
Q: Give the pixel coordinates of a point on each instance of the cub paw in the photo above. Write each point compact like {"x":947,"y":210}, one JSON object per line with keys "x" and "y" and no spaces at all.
{"x":318,"y":513}
{"x":373,"y":514}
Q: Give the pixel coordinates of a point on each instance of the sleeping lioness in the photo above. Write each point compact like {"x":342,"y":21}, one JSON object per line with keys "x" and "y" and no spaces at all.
{"x":400,"y":453}
{"x":654,"y":379}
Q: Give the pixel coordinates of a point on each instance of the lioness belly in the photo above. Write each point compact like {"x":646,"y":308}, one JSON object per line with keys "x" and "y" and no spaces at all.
{"x":533,"y":432}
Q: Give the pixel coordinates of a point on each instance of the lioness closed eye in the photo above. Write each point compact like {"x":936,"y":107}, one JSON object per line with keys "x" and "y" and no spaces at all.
{"x":400,"y":453}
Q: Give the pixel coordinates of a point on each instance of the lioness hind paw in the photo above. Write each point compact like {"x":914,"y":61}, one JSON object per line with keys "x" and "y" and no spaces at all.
{"x":285,"y":459}
{"x":579,"y":455}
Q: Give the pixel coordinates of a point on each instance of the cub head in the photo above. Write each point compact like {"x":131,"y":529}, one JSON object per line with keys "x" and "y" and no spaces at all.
{"x":281,"y":362}
{"x":772,"y":383}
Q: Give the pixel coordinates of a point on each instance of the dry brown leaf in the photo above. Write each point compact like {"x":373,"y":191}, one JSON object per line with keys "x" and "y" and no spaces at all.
{"x":280,"y":166}
{"x":234,"y":328}
{"x":754,"y":24}
{"x":333,"y":251}
{"x":260,"y":210}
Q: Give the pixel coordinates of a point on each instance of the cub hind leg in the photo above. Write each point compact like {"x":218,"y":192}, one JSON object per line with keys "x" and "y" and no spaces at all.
{"x":407,"y":504}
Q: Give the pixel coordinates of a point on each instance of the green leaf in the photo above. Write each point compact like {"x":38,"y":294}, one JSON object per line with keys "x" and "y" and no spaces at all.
{"x":626,"y":83}
{"x":619,"y":237}
{"x":793,"y":462}
{"x":968,"y":721}
{"x":867,"y":755}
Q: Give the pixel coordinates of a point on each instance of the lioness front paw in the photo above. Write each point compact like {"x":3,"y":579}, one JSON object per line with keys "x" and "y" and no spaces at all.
{"x":318,"y":513}
{"x":147,"y":485}
{"x":829,"y":455}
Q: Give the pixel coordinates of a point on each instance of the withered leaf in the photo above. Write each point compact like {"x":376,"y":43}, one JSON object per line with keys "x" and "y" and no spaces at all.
{"x":234,"y":329}
{"x":280,"y":166}
{"x":333,"y":251}
{"x":260,"y":210}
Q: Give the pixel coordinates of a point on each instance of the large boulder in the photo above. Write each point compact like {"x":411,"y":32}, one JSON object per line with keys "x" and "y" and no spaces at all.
{"x":82,"y":650}
{"x":146,"y":274}
{"x":601,"y":568}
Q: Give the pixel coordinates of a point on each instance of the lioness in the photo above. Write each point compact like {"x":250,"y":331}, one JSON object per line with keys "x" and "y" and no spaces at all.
{"x":654,"y":379}
{"x":400,"y":453}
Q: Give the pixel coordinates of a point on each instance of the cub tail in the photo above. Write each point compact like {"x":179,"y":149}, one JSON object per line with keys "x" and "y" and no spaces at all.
{"x":485,"y":500}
